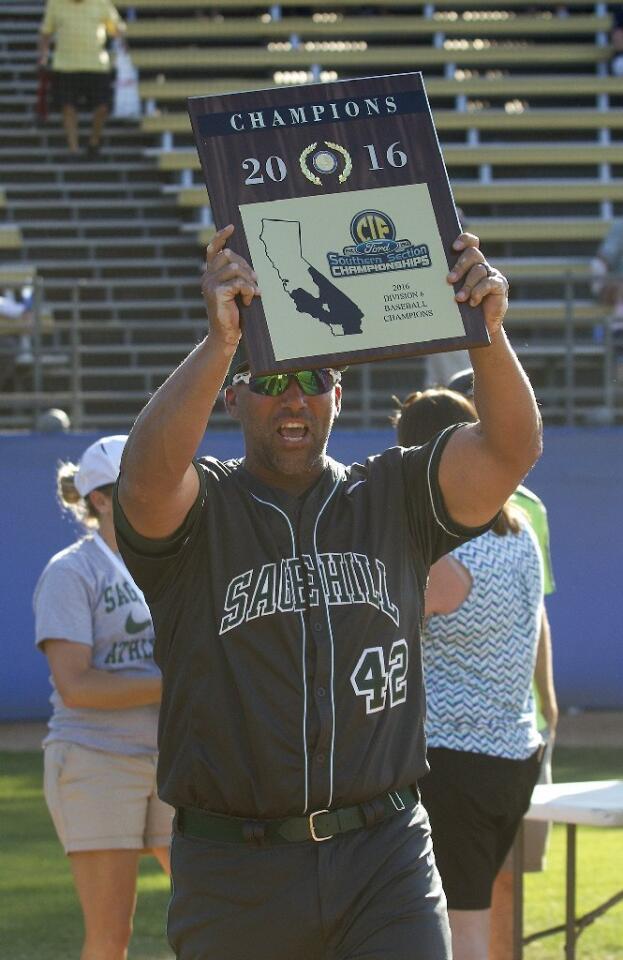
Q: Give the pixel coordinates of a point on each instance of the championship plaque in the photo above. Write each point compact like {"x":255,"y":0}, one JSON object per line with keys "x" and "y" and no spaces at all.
{"x":340,"y":201}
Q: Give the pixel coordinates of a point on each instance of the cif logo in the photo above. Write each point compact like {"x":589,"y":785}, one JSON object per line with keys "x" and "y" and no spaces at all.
{"x":373,"y":232}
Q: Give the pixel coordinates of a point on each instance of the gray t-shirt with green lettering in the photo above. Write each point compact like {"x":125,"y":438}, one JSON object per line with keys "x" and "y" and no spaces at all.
{"x":82,"y":596}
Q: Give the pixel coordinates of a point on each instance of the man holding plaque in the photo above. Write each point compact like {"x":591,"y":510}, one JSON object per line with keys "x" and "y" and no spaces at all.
{"x":288,"y":636}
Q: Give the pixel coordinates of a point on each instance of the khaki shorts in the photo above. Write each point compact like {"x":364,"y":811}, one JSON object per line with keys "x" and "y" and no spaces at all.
{"x":535,"y":832}
{"x":104,"y":801}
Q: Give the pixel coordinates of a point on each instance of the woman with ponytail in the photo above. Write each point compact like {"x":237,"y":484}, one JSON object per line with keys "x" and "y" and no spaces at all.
{"x":483,"y":614}
{"x":95,"y":628}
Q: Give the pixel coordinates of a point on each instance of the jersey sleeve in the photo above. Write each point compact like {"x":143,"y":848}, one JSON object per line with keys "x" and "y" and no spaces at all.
{"x":48,"y":24}
{"x":434,"y":532}
{"x":114,"y":23}
{"x":151,"y":562}
{"x":63,"y":606}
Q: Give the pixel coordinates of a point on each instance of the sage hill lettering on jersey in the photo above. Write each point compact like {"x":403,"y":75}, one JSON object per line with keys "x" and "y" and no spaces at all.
{"x":295,"y":584}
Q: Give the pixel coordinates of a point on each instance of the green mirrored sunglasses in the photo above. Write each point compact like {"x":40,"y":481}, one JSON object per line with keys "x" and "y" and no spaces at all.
{"x":311,"y":382}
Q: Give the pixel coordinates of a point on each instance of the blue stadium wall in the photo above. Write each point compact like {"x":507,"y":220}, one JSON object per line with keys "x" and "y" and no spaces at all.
{"x":579,"y":477}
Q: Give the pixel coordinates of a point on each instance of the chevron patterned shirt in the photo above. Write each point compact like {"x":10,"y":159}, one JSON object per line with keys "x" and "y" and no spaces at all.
{"x":479,"y":659}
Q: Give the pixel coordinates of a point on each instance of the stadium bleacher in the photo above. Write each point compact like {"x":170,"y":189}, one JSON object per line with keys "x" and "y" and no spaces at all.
{"x":10,"y":237}
{"x":531,"y":128}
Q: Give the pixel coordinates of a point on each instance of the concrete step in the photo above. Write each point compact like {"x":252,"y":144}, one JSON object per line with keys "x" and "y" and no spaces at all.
{"x":76,"y":190}
{"x":58,"y":154}
{"x":106,"y":240}
{"x":128,"y":288}
{"x":77,"y":211}
{"x":10,"y":8}
{"x":166,"y":326}
{"x":115,"y":268}
{"x":179,"y":309}
{"x":94,"y":311}
{"x":23,"y":61}
{"x":162,"y":324}
{"x":51,"y":136}
{"x":20,"y":93}
{"x":70,"y":173}
{"x":84,"y":225}
{"x":16,"y":27}
{"x":100,"y":253}
{"x":145,"y":242}
{"x":94,"y":356}
{"x":99,"y":166}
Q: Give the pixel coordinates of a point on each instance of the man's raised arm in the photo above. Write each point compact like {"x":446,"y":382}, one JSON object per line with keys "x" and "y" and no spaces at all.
{"x":158,"y":484}
{"x":484,"y":462}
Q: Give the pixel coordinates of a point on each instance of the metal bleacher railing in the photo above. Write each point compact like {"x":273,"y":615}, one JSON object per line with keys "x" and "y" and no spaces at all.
{"x":568,"y":353}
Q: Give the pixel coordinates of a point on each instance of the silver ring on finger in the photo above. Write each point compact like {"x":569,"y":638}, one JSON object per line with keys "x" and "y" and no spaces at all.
{"x":490,"y":271}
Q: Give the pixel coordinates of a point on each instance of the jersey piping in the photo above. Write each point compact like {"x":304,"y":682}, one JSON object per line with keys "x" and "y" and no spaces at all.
{"x":326,"y":604}
{"x":267,"y":503}
{"x":443,"y":433}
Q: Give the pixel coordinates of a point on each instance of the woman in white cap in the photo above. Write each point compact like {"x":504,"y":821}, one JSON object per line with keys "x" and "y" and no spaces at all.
{"x":95,"y":628}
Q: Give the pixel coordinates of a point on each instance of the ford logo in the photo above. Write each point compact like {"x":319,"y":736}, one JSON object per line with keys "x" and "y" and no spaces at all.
{"x":376,"y":246}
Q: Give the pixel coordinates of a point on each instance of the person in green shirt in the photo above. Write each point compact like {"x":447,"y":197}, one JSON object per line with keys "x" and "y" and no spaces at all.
{"x":535,"y":834}
{"x":545,"y":694}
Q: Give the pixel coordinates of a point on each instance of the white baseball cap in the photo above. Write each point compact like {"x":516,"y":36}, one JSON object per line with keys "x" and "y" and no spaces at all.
{"x":99,"y":464}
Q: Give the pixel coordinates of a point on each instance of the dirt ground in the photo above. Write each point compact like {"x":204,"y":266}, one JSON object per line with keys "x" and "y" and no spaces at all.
{"x":575,"y":729}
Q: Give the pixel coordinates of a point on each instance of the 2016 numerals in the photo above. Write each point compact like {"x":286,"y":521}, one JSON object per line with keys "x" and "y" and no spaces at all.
{"x":395,"y":157}
{"x":274,"y":166}
{"x":371,"y":678}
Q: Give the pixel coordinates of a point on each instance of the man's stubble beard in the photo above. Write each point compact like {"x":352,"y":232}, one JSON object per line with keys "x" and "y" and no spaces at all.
{"x":294,"y":462}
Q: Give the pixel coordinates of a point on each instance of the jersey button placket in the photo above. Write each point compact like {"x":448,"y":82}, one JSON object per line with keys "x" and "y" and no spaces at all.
{"x":320,"y":772}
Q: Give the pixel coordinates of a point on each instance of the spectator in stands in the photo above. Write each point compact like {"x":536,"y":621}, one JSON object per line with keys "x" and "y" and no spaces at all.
{"x":607,"y":286}
{"x":81,"y":62}
{"x":607,"y":269}
{"x":53,"y":420}
{"x":16,"y":321}
{"x":616,"y":39}
{"x":536,"y":835}
{"x":94,"y":627}
{"x":483,"y":607}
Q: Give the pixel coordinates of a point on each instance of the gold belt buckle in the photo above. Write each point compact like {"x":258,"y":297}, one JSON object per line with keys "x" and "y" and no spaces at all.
{"x":312,"y":829}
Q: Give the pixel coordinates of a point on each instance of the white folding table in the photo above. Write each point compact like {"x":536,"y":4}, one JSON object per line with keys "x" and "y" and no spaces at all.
{"x":596,"y":803}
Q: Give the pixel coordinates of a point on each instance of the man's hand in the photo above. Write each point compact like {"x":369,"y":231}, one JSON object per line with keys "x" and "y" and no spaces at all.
{"x":226,"y":277}
{"x":482,"y":284}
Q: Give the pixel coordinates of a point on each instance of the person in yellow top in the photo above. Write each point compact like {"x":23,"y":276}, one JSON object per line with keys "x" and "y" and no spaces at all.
{"x":81,"y":63}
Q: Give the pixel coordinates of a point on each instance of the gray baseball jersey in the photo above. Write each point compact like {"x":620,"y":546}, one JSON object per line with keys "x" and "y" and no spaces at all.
{"x":288,"y":634}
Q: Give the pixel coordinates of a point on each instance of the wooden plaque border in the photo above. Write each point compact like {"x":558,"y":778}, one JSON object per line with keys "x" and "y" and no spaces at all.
{"x":221,"y":145}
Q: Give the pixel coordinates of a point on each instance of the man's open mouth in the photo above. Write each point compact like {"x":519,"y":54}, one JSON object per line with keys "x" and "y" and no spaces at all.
{"x":292,"y":430}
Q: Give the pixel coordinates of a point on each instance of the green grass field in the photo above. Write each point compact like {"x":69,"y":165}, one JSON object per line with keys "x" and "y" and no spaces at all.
{"x":40,"y":916}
